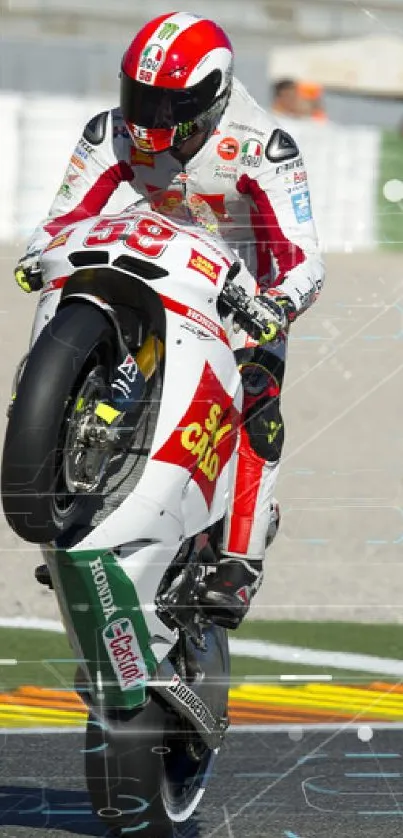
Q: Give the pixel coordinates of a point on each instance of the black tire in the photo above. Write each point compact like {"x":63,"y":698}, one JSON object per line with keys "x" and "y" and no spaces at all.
{"x":30,"y":477}
{"x":135,"y":769}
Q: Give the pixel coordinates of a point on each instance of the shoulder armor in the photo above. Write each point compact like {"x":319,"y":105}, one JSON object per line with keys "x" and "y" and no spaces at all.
{"x":281,"y":147}
{"x":95,"y":129}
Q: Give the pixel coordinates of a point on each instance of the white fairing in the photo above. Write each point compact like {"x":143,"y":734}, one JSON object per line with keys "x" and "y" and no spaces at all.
{"x":168,"y":504}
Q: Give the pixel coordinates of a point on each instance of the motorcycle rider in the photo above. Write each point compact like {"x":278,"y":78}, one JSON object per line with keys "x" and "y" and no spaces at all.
{"x":190,"y":139}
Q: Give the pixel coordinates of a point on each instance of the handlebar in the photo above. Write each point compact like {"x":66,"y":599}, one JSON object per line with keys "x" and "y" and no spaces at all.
{"x":259,"y":325}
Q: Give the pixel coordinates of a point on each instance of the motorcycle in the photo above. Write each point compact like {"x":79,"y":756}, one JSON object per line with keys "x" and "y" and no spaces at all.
{"x":117,"y":459}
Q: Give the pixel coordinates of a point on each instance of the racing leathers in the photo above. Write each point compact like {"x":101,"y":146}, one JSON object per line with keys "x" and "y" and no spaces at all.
{"x":248,"y":183}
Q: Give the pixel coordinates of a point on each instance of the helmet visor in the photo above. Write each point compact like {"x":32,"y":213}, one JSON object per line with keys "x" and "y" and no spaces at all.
{"x":165,"y":107}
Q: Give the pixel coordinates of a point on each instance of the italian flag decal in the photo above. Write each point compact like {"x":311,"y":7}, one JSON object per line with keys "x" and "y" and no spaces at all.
{"x":154,"y":52}
{"x":252,"y":153}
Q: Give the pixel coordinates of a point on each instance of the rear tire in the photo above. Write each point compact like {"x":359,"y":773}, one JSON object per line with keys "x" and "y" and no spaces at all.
{"x":36,"y":501}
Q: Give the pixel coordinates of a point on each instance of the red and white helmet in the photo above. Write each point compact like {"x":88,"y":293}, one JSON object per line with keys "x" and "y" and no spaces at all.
{"x":176,"y":79}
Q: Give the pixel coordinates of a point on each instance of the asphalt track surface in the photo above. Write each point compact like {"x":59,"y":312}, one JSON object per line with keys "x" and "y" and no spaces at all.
{"x":267,"y":784}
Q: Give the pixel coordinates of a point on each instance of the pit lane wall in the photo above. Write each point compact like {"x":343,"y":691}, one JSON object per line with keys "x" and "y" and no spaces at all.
{"x":39,"y":133}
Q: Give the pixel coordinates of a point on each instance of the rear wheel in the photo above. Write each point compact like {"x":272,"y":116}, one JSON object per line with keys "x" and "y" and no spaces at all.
{"x":72,"y":356}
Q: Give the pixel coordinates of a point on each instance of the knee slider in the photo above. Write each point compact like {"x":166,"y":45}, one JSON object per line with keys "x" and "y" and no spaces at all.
{"x":265,"y":427}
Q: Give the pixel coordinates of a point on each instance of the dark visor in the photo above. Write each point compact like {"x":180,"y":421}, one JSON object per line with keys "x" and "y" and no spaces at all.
{"x":165,"y":107}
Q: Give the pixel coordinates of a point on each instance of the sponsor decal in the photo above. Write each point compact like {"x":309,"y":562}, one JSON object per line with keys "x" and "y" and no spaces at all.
{"x":194,"y":330}
{"x":302,"y":206}
{"x":84,"y":144}
{"x":71,"y":175}
{"x":72,"y":178}
{"x":103,"y":589}
{"x":228,"y":148}
{"x":129,"y":369}
{"x":252,"y":153}
{"x":150,"y":62}
{"x":229,"y":73}
{"x":65,"y":191}
{"x":81,"y":152}
{"x":76,"y":161}
{"x":202,"y":204}
{"x":292,"y":164}
{"x":295,"y":181}
{"x":141,"y":158}
{"x":281,"y":146}
{"x":164,"y":200}
{"x":204,"y":266}
{"x":180,"y":73}
{"x":300,"y":177}
{"x":84,"y":149}
{"x":240,"y":126}
{"x":167,"y":31}
{"x":206,"y":435}
{"x":58,"y":241}
{"x":224,"y":171}
{"x":53,"y":285}
{"x":145,"y":144}
{"x":192,"y":702}
{"x":120,"y":131}
{"x":124,"y":654}
{"x":198,"y":317}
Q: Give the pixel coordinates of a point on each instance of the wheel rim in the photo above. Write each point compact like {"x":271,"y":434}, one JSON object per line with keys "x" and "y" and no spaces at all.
{"x":93,"y":390}
{"x":183,"y":785}
{"x":65,"y":499}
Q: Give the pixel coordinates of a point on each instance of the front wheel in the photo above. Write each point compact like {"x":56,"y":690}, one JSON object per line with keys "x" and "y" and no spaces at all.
{"x":142,"y":775}
{"x":69,"y":363}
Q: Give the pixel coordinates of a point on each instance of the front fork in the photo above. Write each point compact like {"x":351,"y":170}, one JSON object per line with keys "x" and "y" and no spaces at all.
{"x":131,"y":374}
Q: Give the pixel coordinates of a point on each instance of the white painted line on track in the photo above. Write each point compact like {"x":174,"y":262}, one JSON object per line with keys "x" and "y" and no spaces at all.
{"x":40,"y":731}
{"x":343,"y":727}
{"x":261,"y":650}
{"x":316,"y":657}
{"x":35,"y":623}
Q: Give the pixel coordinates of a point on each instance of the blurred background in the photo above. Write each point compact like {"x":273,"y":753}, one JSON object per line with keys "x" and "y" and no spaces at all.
{"x":334,"y":63}
{"x":332,"y":72}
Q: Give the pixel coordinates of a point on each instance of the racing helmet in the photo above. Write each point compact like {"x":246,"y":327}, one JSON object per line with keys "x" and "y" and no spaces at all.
{"x":176,"y":79}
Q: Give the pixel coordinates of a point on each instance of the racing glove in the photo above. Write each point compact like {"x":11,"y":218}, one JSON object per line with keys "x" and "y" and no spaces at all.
{"x":28,"y":274}
{"x":265,"y":316}
{"x":282,"y":312}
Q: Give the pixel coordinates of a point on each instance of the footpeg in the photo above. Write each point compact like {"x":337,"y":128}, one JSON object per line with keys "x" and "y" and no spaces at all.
{"x":42,"y":576}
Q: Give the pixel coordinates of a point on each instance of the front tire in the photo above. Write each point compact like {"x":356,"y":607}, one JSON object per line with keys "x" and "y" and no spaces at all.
{"x":36,"y":501}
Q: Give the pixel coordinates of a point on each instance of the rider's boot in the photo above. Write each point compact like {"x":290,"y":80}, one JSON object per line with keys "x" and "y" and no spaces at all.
{"x":227,"y":594}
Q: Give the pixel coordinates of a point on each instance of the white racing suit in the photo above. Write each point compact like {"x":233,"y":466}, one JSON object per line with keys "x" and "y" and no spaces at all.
{"x":249,"y":180}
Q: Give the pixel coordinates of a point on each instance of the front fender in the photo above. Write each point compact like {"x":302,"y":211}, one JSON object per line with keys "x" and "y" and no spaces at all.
{"x":91,"y":298}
